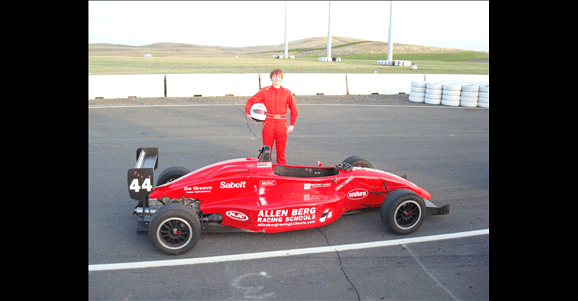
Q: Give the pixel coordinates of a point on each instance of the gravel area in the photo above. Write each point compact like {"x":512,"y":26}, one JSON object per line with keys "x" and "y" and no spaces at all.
{"x":373,"y":98}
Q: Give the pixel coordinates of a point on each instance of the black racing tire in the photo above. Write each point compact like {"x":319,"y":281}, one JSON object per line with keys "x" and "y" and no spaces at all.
{"x":170,"y":174}
{"x":402,"y":211}
{"x":174,"y":229}
{"x":356,"y":161}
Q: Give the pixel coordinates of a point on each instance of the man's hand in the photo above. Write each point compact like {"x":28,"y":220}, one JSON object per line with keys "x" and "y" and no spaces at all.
{"x":290,"y":129}
{"x":250,"y":118}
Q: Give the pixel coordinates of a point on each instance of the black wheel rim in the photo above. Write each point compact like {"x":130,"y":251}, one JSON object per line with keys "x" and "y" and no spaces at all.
{"x":407,"y":214}
{"x":174,"y":233}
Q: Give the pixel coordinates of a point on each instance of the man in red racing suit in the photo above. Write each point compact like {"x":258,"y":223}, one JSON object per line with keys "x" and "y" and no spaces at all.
{"x":276,"y":100}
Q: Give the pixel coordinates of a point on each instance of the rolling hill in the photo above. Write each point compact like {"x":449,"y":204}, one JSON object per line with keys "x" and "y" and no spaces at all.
{"x":315,"y":46}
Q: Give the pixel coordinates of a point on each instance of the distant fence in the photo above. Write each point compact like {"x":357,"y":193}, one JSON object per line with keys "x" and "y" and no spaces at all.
{"x":247,"y":84}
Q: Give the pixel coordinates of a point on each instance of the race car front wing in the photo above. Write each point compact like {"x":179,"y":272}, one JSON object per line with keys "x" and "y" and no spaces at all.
{"x":432,"y":209}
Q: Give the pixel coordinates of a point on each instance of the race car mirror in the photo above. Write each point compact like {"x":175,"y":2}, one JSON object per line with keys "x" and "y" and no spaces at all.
{"x":265,"y":154}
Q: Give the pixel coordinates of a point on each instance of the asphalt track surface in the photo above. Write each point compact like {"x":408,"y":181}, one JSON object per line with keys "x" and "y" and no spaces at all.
{"x":445,"y":150}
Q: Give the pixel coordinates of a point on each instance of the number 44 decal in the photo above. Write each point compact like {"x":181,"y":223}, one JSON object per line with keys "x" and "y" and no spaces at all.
{"x":145,"y":185}
{"x":140,"y":182}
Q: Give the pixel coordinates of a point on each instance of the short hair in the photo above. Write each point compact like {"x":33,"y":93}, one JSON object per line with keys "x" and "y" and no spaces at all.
{"x":275,"y":72}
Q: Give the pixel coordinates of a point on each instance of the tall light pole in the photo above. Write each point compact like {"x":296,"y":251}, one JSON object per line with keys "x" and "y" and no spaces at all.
{"x":389,"y":42}
{"x":286,"y":47}
{"x":329,"y":34}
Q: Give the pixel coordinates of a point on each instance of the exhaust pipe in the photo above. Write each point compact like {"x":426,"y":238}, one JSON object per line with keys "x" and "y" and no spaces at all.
{"x":146,"y":211}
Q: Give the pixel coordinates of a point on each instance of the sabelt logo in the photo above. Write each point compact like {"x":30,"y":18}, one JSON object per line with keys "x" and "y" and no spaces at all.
{"x":357,"y":194}
{"x":225,"y":185}
{"x":237,"y":215}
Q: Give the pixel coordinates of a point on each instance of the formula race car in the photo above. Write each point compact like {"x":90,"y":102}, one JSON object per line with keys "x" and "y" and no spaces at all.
{"x":256,"y":195}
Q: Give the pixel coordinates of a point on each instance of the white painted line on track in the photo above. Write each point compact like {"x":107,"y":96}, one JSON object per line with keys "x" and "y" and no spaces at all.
{"x":416,"y":258}
{"x":283,"y":253}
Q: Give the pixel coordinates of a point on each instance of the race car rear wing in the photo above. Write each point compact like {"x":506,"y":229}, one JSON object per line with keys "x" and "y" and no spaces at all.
{"x":140,"y":178}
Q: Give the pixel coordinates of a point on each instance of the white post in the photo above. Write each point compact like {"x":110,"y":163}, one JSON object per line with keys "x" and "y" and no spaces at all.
{"x":389,"y":39}
{"x":329,"y":35}
{"x":286,"y":47}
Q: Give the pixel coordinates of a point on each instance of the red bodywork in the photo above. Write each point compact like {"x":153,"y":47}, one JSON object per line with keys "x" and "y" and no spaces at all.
{"x":256,"y":196}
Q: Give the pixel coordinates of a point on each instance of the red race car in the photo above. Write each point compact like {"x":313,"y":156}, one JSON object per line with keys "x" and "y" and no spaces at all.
{"x":256,"y":195}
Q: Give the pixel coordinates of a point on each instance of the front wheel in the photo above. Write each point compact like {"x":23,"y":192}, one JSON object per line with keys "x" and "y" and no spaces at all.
{"x":402,"y":211}
{"x":174,"y":229}
{"x":356,"y":161}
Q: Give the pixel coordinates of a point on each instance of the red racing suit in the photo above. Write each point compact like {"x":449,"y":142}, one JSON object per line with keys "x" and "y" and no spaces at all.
{"x":275,"y":126}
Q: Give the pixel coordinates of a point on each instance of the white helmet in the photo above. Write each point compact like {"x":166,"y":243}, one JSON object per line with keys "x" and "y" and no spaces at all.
{"x":259,"y":111}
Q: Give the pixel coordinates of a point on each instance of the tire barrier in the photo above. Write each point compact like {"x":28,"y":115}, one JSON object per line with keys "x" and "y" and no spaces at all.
{"x":469,"y":96}
{"x":451,"y":97}
{"x":417,"y":93}
{"x":330,"y":59}
{"x":394,"y":63}
{"x":450,"y":94}
{"x":433,"y":93}
{"x":484,"y":96}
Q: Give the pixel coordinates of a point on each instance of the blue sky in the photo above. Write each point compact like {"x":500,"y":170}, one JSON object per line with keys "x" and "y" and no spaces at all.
{"x":454,"y":24}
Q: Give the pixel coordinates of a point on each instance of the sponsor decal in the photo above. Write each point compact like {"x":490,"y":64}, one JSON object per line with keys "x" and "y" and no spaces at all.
{"x":198,"y":189}
{"x":237,"y":215}
{"x":357,"y":194}
{"x":314,"y":197}
{"x":267,"y":183}
{"x":264,"y":164}
{"x":344,"y":183}
{"x":316,"y":185}
{"x":326,"y":215}
{"x":225,"y":185}
{"x":286,"y":217}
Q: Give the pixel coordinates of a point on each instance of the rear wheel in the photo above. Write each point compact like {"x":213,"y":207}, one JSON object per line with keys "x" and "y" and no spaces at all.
{"x":402,"y":211}
{"x":174,"y":229}
{"x":170,"y":174}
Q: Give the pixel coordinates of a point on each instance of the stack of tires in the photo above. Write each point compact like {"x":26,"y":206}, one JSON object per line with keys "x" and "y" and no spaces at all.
{"x":433,"y":93}
{"x":417,"y":93}
{"x":484,"y":96}
{"x":451,"y":95}
{"x":469,"y":96}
